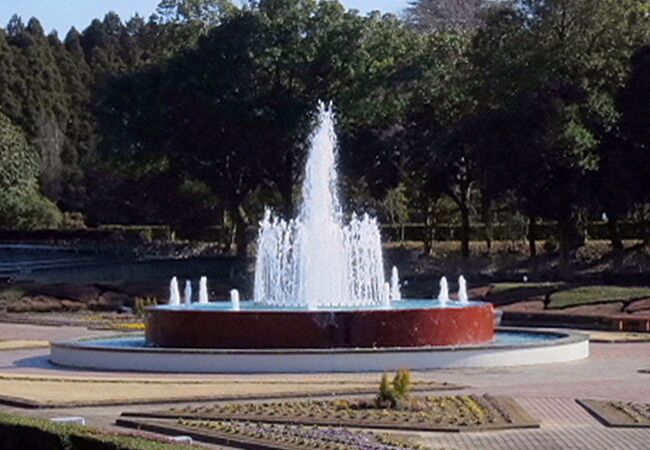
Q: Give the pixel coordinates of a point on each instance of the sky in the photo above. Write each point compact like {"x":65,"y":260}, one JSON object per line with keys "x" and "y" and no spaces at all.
{"x":63,"y":14}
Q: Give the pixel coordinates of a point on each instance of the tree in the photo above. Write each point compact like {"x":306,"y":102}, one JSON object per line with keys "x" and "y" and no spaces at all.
{"x":579,"y":46}
{"x":206,"y":12}
{"x":21,"y":204}
{"x":446,"y":15}
{"x":9,"y":79}
{"x":236,"y":111}
{"x":43,"y":114}
{"x":440,"y":155}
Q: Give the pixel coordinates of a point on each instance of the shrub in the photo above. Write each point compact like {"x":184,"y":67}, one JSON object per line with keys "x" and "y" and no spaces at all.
{"x":142,"y":303}
{"x":28,"y":212}
{"x":74,"y":221}
{"x":393,"y":394}
{"x":402,"y":383}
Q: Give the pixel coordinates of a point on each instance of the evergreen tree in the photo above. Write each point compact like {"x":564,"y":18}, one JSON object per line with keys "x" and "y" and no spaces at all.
{"x":9,"y":80}
{"x":44,"y":112}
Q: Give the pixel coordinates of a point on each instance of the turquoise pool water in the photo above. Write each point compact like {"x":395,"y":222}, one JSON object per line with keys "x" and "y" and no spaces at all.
{"x":251,"y":306}
{"x":503,"y":339}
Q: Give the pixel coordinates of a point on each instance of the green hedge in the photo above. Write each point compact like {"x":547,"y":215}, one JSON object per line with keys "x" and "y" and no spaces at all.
{"x":20,"y":433}
{"x":503,"y":232}
{"x":106,"y":234}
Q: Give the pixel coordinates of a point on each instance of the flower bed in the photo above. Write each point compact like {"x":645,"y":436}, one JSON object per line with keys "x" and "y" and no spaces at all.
{"x":432,"y":413}
{"x":263,"y":436}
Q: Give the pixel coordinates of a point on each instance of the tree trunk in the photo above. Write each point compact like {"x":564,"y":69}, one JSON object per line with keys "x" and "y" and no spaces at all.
{"x":465,"y":230}
{"x":429,"y":233}
{"x":571,"y":235}
{"x":487,"y":223}
{"x":242,"y":237}
{"x":532,"y":236}
{"x":615,"y":234}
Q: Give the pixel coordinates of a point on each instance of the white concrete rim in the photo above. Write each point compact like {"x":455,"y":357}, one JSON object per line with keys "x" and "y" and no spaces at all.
{"x":569,"y":346}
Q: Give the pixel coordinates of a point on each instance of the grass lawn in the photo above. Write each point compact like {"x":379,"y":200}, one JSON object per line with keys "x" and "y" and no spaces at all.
{"x":498,"y":288}
{"x":589,"y":295}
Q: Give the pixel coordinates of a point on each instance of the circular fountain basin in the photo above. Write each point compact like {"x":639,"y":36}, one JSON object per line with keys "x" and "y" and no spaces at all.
{"x":405,"y":323}
{"x":511,"y":347}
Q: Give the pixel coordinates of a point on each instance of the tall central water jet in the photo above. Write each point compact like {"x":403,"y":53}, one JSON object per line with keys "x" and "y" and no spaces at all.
{"x":316,"y":260}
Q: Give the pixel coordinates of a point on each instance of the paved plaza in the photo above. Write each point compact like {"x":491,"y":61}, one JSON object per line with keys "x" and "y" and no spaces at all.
{"x":547,"y":392}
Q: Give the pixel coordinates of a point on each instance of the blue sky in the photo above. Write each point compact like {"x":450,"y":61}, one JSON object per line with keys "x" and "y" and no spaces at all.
{"x":62,"y":14}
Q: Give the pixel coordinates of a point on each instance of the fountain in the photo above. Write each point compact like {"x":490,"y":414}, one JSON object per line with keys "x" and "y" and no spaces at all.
{"x":321,"y":303}
{"x":322,"y":278}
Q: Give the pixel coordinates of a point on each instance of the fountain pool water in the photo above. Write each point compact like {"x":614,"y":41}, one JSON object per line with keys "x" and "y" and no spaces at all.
{"x":321,"y":303}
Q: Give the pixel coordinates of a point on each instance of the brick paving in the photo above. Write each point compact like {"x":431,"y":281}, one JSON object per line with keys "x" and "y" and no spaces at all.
{"x":565,"y":425}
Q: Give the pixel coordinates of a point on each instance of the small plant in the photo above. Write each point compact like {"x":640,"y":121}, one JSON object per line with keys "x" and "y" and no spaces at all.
{"x":393,"y":394}
{"x":402,"y":383}
{"x":142,"y":303}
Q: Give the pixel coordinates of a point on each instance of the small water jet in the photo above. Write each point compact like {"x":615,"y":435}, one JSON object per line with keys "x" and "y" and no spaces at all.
{"x":187,"y":297}
{"x":203,"y":291}
{"x":174,"y":292}
{"x":234,"y":300}
{"x":395,"y":292}
{"x":462,"y":290}
{"x":443,"y":296}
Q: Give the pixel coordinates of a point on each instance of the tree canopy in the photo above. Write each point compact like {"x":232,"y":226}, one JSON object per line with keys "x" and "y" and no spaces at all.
{"x":200,"y":114}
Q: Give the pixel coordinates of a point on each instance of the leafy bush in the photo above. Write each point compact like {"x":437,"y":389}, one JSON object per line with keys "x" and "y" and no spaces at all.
{"x":28,"y":212}
{"x":402,"y":383}
{"x":393,"y":394}
{"x":149,"y":233}
{"x":74,"y":221}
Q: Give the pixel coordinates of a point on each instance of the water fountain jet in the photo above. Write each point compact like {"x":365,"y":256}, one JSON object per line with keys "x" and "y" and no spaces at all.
{"x":174,"y":292}
{"x":443,"y":296}
{"x":203,"y":291}
{"x":462,"y":290}
{"x":187,"y":295}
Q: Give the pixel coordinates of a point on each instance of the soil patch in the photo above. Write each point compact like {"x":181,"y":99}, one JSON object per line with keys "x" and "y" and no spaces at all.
{"x":20,"y":344}
{"x":638,"y":306}
{"x":525,"y":306}
{"x":33,"y":392}
{"x":603,"y":309}
{"x":619,"y":414}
